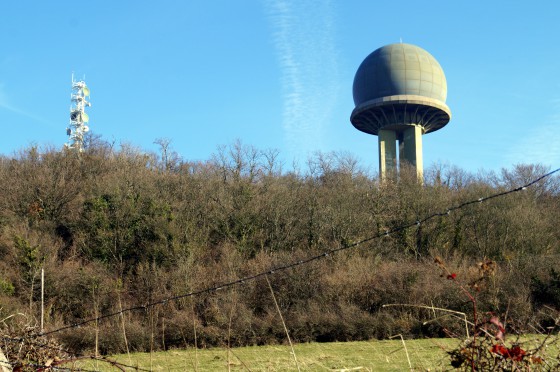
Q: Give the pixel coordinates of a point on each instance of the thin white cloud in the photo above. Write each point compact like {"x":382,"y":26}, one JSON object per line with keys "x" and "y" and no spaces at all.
{"x":542,"y":143}
{"x":5,"y":104}
{"x":303,"y":35}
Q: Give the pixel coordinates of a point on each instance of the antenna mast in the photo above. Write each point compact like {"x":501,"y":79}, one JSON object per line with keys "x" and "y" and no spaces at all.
{"x":78,"y":117}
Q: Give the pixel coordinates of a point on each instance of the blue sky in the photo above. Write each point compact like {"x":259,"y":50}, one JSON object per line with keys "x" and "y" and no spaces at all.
{"x":278,"y":74}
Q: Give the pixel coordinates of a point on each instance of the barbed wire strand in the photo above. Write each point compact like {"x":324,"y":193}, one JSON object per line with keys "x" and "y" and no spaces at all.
{"x":301,"y":261}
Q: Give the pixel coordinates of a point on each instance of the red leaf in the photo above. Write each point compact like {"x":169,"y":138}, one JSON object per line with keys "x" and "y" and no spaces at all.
{"x":516,"y":353}
{"x":500,"y":349}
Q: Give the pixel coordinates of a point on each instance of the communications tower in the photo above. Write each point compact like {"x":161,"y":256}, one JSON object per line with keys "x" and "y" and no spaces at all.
{"x":78,"y":116}
{"x":399,"y":92}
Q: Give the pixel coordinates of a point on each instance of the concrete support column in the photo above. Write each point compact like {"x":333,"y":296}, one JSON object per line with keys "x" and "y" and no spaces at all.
{"x":412,"y":149}
{"x":387,"y":153}
{"x":400,"y":138}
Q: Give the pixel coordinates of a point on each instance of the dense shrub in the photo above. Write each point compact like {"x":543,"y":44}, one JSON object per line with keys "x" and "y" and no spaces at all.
{"x":121,"y":229}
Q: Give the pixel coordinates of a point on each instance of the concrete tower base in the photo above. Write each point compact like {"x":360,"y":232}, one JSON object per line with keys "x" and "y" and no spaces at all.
{"x":410,"y":150}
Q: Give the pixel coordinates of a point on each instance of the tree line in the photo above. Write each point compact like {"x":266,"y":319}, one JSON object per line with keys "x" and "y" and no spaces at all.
{"x":117,"y":229}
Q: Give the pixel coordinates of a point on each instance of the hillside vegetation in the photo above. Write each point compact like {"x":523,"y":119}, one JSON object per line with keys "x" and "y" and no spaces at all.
{"x":121,"y":229}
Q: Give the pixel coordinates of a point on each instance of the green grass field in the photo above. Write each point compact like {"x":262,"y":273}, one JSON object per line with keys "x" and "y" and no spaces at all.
{"x":388,"y":355}
{"x":426,"y":354}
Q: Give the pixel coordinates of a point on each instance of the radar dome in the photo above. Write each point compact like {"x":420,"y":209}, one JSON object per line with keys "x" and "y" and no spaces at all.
{"x":397,"y":70}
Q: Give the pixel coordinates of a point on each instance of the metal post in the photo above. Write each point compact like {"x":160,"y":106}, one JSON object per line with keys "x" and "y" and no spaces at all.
{"x":42,"y":298}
